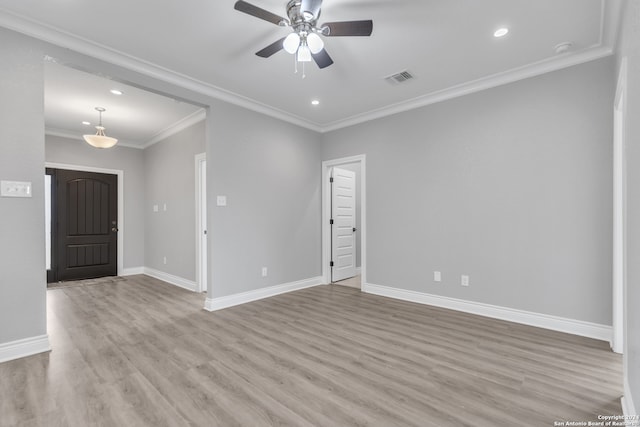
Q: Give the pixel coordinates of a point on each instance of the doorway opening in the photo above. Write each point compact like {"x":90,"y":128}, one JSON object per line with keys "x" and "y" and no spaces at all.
{"x":201,"y":221}
{"x":344,"y":221}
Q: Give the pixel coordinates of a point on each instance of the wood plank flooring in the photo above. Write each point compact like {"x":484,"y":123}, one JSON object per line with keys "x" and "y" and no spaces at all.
{"x":140,"y":352}
{"x":352,"y":282}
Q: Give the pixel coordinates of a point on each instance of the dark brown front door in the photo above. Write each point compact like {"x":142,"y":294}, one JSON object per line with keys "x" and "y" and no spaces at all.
{"x":87,"y":227}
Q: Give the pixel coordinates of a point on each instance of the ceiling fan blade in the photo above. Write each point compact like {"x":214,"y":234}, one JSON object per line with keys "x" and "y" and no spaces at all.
{"x":312,"y":7}
{"x":348,"y":28}
{"x":274,"y":47}
{"x":252,"y":10}
{"x":322,"y":58}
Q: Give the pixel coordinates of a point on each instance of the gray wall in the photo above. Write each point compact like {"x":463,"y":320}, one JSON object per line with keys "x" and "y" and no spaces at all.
{"x":511,"y":186}
{"x":355,"y":167}
{"x":630,"y":48}
{"x":170,"y":179}
{"x":22,"y":255}
{"x":270,"y":172}
{"x":129,"y":160}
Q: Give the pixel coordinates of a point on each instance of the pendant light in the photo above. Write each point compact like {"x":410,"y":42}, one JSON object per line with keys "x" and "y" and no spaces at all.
{"x":100,"y":139}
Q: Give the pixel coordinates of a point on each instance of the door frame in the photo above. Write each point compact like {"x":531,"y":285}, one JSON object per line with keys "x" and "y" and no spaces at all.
{"x":326,"y":214}
{"x":52,"y":216}
{"x":201,"y":209}
{"x":120,"y":174}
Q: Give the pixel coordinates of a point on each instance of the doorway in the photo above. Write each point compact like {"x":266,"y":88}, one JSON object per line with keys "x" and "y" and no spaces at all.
{"x":86,"y":221}
{"x":201,"y":221}
{"x":339,"y":232}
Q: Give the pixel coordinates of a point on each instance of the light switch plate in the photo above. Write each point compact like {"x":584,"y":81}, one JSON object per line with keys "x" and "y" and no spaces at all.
{"x":221,"y":200}
{"x":464,"y":280}
{"x":15,"y":189}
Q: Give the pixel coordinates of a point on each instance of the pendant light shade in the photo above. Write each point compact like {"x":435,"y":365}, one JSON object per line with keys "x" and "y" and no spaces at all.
{"x":100,"y":139}
{"x":291,"y":43}
{"x":304,"y":54}
{"x":315,"y":43}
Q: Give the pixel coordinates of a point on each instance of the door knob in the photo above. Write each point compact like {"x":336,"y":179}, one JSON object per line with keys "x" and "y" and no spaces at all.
{"x":114,"y":229}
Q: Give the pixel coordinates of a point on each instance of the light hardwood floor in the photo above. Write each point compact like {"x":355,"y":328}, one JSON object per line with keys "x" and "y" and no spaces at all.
{"x":352,"y":282}
{"x":141,"y":352}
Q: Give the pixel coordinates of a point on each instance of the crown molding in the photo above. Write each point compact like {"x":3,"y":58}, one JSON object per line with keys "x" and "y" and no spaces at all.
{"x":101,"y":52}
{"x":610,"y":23}
{"x":178,"y":126}
{"x":499,"y":79}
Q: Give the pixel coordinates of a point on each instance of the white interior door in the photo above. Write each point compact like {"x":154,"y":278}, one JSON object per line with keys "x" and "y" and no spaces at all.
{"x":343,"y":228}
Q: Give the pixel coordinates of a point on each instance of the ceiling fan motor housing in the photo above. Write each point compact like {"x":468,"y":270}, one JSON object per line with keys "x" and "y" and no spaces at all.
{"x":302,"y":21}
{"x":298,"y":16}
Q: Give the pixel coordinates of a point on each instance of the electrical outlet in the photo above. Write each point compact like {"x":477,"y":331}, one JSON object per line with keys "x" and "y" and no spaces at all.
{"x":264,"y":271}
{"x":464,"y":280}
{"x":437,"y":277}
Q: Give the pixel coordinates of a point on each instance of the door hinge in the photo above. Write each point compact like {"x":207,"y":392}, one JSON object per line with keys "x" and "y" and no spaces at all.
{"x":331,"y":221}
{"x":331,"y":179}
{"x":331,"y":264}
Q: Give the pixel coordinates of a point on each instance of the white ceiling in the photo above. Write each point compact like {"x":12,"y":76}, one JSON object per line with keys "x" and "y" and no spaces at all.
{"x":137,"y":118}
{"x":448,"y":45}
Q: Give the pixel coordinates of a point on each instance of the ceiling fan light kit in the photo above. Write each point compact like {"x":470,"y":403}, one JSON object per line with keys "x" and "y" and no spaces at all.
{"x":291,"y":43}
{"x":304,"y":53}
{"x":305,"y":41}
{"x":315,"y":43}
{"x":100,"y":139}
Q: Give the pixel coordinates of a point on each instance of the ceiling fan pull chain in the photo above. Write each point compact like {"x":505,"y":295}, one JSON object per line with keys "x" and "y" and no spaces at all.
{"x":303,"y":73}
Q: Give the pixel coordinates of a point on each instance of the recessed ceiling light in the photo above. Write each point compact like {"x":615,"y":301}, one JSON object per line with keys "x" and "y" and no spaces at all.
{"x":501,"y":32}
{"x":116,"y":92}
{"x":86,"y":123}
{"x":315,"y":102}
{"x":563,"y":47}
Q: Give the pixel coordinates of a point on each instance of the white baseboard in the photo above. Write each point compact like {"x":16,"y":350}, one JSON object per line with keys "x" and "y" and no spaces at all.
{"x":555,"y":323}
{"x":23,"y":348}
{"x":628,"y":407}
{"x":132,"y":271}
{"x":170,"y":278}
{"x":213,"y":304}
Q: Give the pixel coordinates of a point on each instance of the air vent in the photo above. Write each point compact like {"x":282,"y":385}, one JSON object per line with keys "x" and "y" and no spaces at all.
{"x":400,"y":77}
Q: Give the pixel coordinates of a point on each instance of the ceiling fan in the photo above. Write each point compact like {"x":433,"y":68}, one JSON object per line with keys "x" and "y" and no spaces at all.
{"x":305,"y":41}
